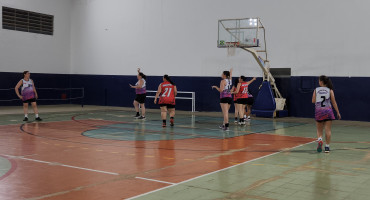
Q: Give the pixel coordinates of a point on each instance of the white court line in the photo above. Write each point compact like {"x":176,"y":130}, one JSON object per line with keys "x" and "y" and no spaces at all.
{"x":63,"y":165}
{"x":148,"y":179}
{"x":215,"y":172}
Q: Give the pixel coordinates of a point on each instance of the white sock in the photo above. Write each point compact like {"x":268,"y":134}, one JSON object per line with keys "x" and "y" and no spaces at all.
{"x":326,"y":145}
{"x":26,"y":115}
{"x":37,"y":115}
{"x":320,"y":139}
{"x":245,"y":116}
{"x":249,"y":117}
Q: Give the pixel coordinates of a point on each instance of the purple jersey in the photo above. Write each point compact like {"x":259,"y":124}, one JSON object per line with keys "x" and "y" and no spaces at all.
{"x":323,"y":107}
{"x":27,"y":90}
{"x":226,"y":92}
{"x":141,"y":90}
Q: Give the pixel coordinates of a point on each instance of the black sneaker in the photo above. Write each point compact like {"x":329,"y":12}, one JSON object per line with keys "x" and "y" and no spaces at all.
{"x":141,"y":117}
{"x":25,"y":119}
{"x":38,"y":119}
{"x":222,"y":127}
{"x":137,"y":116}
{"x":327,"y":150}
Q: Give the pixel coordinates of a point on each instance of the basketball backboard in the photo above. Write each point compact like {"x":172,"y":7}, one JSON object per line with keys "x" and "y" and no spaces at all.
{"x":239,"y":32}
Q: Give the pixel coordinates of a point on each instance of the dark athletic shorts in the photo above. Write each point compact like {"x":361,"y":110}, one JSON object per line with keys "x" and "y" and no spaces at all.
{"x":227,"y":100}
{"x":30,"y":100}
{"x":169,"y":106}
{"x":140,"y":98}
{"x":250,"y":101}
{"x":243,"y":101}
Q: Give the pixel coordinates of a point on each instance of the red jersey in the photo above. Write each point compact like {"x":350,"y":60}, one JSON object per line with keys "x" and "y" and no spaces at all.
{"x":243,"y":90}
{"x":167,"y":95}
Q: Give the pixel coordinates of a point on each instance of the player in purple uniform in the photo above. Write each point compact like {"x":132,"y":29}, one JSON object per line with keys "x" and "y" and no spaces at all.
{"x":324,"y":100}
{"x":28,"y":95}
{"x":225,"y":96}
{"x":140,"y":90}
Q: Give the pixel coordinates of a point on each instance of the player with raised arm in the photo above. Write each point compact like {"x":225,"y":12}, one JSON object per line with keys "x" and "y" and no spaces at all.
{"x":225,"y":97}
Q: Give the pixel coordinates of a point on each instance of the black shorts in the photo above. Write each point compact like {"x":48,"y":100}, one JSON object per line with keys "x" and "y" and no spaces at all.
{"x":169,"y":106}
{"x":243,"y":101}
{"x":30,"y":100}
{"x":235,"y":101}
{"x":250,"y":101}
{"x":227,"y":100}
{"x":140,"y":98}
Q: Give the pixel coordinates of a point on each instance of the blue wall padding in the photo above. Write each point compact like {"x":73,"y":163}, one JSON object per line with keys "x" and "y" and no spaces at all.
{"x":265,"y":99}
{"x":352,"y":94}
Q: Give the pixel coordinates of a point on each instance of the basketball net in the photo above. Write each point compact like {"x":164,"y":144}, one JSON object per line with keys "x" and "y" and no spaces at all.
{"x":231,"y":48}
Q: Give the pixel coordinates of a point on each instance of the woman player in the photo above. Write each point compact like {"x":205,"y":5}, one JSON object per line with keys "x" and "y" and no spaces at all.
{"x":242,"y":93}
{"x":166,"y":92}
{"x":140,"y":90}
{"x":28,"y":95}
{"x":235,"y":99}
{"x":324,"y":100}
{"x":225,"y":96}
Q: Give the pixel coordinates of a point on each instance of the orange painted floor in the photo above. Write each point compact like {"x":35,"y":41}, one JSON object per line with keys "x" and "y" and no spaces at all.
{"x":55,"y":160}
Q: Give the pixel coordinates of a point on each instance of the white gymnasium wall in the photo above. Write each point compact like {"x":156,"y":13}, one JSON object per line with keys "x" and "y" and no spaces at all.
{"x":37,"y":53}
{"x":178,"y":37}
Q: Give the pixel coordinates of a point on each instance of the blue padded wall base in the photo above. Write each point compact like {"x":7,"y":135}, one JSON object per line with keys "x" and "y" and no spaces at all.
{"x":265,"y":104}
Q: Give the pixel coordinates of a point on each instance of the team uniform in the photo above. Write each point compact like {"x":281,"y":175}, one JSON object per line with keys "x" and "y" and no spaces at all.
{"x":27,"y":92}
{"x":323,"y":107}
{"x":141,"y":92}
{"x":167,"y":96}
{"x":243,"y":93}
{"x":225,"y":95}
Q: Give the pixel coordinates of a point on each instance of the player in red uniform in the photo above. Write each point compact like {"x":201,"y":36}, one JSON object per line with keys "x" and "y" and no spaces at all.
{"x":166,"y":92}
{"x":243,"y":95}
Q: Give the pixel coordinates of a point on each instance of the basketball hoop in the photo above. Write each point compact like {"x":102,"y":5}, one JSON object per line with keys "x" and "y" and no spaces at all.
{"x":231,"y":48}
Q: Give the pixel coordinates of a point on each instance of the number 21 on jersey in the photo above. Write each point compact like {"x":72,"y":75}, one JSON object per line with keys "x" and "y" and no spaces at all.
{"x":167,"y":92}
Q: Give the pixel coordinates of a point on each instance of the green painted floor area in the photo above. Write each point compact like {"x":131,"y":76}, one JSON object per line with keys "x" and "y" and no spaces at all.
{"x":297,"y":174}
{"x":185,"y":128}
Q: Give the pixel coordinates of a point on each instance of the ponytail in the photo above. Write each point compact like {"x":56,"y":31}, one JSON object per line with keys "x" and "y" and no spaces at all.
{"x":142,"y":75}
{"x":326,"y":81}
{"x":168,"y":79}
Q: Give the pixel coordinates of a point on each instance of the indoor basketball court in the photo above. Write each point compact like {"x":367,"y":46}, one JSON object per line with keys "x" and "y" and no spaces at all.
{"x":183,"y":100}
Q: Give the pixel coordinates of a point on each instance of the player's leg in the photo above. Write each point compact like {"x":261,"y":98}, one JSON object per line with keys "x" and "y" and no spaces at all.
{"x":172,"y":116}
{"x":136,"y":105}
{"x":236,"y":112}
{"x":25,"y":111}
{"x":164,"y":115}
{"x":35,"y":110}
{"x":320,"y":127}
{"x":327,"y":135}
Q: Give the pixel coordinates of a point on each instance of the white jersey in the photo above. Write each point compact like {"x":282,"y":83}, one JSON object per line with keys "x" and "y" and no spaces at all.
{"x":322,"y":94}
{"x":144,"y":83}
{"x":323,"y":97}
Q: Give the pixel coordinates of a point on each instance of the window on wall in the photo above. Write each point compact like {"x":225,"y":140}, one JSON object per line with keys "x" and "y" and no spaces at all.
{"x":27,"y":21}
